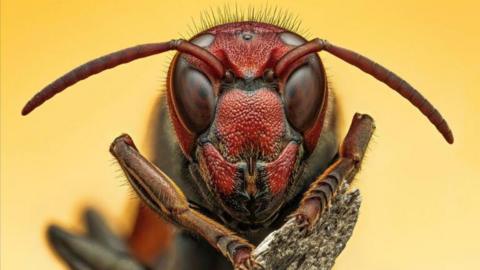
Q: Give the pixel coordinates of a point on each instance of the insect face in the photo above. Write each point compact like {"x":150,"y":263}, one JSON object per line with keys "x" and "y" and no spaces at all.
{"x":250,"y":107}
{"x":245,"y":132}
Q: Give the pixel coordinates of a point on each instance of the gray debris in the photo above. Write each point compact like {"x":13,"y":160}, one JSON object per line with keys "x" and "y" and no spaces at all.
{"x":289,"y":248}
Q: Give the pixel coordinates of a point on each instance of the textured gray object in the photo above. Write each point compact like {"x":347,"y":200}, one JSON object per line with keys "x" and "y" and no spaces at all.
{"x":289,"y":248}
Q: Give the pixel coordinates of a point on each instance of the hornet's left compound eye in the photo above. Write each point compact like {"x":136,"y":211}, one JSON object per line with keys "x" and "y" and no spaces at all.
{"x":193,"y":97}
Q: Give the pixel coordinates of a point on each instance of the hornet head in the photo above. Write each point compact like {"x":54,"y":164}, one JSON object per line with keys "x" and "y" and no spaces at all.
{"x":248,"y":132}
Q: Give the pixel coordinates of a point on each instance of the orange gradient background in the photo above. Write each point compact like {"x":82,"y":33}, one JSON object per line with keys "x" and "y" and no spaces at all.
{"x":420,"y":195}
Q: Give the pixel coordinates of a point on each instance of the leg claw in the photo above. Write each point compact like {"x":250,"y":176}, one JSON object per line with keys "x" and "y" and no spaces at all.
{"x":304,"y":224}
{"x":248,"y":263}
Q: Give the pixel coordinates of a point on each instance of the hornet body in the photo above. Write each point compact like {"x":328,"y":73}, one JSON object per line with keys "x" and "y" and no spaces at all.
{"x":245,"y":137}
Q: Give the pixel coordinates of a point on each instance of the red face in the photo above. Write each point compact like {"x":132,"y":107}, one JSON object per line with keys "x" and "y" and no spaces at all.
{"x":250,"y":134}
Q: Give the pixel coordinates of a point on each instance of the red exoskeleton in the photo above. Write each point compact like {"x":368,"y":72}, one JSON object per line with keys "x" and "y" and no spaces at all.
{"x":255,"y":121}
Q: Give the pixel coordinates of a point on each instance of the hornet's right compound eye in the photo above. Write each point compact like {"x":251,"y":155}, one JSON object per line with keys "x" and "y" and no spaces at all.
{"x":193,"y":97}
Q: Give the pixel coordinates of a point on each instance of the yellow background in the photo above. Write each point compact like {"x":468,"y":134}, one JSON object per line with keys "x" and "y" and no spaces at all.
{"x":420,"y":195}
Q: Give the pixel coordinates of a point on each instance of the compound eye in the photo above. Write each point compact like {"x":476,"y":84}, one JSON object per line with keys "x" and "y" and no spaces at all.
{"x":303,"y":94}
{"x":193,"y":97}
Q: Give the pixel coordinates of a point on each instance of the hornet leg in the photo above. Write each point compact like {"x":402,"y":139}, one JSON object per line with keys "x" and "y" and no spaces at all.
{"x":320,"y":193}
{"x":161,"y":194}
{"x":99,"y":249}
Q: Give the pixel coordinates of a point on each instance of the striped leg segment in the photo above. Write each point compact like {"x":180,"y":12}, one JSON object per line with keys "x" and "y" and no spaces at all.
{"x":321,"y":192}
{"x":161,"y":194}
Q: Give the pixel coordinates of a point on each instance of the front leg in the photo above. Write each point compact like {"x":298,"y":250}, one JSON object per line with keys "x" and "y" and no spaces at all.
{"x":98,"y":249}
{"x":319,"y":196}
{"x":161,"y":194}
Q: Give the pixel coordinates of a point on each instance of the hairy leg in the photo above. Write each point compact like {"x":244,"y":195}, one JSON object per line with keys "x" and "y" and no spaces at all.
{"x":319,"y":196}
{"x":161,"y":194}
